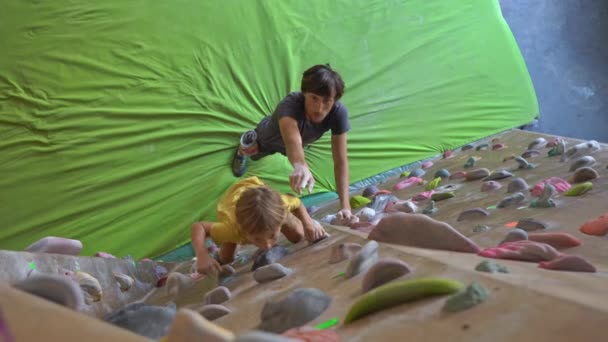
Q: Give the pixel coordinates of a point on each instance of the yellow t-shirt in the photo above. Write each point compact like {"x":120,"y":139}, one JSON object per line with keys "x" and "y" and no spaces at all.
{"x":227,"y":229}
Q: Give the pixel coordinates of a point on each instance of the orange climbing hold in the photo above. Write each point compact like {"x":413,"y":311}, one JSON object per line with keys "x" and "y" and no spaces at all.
{"x":598,"y":226}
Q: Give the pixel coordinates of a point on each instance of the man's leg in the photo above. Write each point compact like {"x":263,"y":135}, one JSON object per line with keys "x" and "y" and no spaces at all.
{"x":248,"y":146}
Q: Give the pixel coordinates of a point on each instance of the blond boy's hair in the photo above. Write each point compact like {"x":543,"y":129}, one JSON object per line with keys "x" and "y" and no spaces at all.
{"x":260,"y":210}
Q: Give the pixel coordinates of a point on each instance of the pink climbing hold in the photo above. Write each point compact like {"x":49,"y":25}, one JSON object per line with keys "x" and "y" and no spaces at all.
{"x":56,"y":245}
{"x":553,"y":142}
{"x":447,"y":154}
{"x":498,"y":146}
{"x":561,"y":185}
{"x":458,"y":175}
{"x":523,"y":250}
{"x":572,"y":263}
{"x":104,"y":255}
{"x":557,"y":240}
{"x":383,"y":192}
{"x":427,"y":165}
{"x":423,"y":196}
{"x":407,"y":182}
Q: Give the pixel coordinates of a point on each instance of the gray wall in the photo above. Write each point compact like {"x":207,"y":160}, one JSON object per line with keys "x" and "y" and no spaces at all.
{"x":565,"y":46}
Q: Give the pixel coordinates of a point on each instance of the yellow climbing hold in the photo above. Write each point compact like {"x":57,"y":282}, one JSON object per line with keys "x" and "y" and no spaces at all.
{"x":579,"y":189}
{"x":433,"y":184}
{"x":358,"y":201}
{"x":398,"y":292}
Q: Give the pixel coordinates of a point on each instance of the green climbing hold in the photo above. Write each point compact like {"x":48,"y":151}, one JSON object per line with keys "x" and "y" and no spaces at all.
{"x":404,"y":174}
{"x":398,"y":292}
{"x":440,"y":196}
{"x":470,"y":163}
{"x":466,"y":298}
{"x":433,"y":184}
{"x":579,"y":189}
{"x":359,"y":201}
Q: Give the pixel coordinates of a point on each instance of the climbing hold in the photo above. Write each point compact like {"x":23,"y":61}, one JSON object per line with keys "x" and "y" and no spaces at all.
{"x":343,"y":252}
{"x":496,"y":175}
{"x":364,"y":259}
{"x":498,"y":146}
{"x":448,"y":187}
{"x":516,"y":198}
{"x":404,"y":174}
{"x":433,"y":184}
{"x":530,"y":224}
{"x":545,"y":200}
{"x":466,"y":147}
{"x":447,"y":154}
{"x":57,"y":289}
{"x":404,"y":206}
{"x":219,"y":294}
{"x":466,"y":298}
{"x":227,"y":271}
{"x":557,"y":240}
{"x":584,"y":174}
{"x":523,"y":250}
{"x":553,"y":142}
{"x":366,"y":214}
{"x":523,"y":164}
{"x":477,"y":174}
{"x":440,"y":196}
{"x":472,"y":214}
{"x":380,"y":202}
{"x":418,"y":230}
{"x":579,"y":189}
{"x":558,"y":149}
{"x":430,"y":209}
{"x":177,"y":282}
{"x":572,"y":263}
{"x":559,"y":184}
{"x":515,"y":235}
{"x":582,"y":162}
{"x":458,"y":175}
{"x":482,"y":147}
{"x":398,"y":292}
{"x":214,"y":311}
{"x":90,"y":287}
{"x":470,"y":163}
{"x":509,"y":157}
{"x":124,"y":281}
{"x":370,"y":191}
{"x":407,"y":182}
{"x":579,"y":150}
{"x":298,"y":308}
{"x":309,"y":334}
{"x":55,"y":245}
{"x":104,"y":255}
{"x":597,"y":227}
{"x":189,"y":325}
{"x":480,"y":228}
{"x":490,"y":266}
{"x":530,"y":154}
{"x":269,"y":257}
{"x":427,"y":165}
{"x":271,"y":272}
{"x":417,"y":173}
{"x":151,"y":321}
{"x":423,"y":196}
{"x":490,"y":186}
{"x":443,"y":173}
{"x":537,"y":143}
{"x":359,"y":201}
{"x":383,"y":271}
{"x":516,"y":185}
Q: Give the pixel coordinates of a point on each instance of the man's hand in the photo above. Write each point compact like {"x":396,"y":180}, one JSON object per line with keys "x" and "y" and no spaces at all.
{"x":313,"y":232}
{"x":346,"y":216}
{"x":301,"y":178}
{"x":208,"y":266}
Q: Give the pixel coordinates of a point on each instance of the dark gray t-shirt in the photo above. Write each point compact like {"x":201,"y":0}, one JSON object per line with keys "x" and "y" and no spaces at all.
{"x":269,"y":134}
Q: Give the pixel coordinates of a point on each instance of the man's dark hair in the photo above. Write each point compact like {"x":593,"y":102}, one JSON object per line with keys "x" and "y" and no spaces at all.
{"x":322,"y":80}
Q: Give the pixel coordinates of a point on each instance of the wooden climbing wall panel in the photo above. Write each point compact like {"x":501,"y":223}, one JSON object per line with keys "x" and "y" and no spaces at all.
{"x":528,"y":303}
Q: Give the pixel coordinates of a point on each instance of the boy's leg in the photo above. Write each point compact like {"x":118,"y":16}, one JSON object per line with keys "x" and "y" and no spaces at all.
{"x":293,"y":229}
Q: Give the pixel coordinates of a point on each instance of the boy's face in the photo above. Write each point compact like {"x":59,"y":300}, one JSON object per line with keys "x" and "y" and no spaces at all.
{"x":264,"y":242}
{"x":317,"y":107}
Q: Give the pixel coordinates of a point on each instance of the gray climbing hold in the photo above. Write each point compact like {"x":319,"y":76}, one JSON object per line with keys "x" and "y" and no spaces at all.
{"x":516,"y":198}
{"x":370,"y":191}
{"x":530,"y":154}
{"x":124,"y":281}
{"x":482,"y":147}
{"x":152,"y":321}
{"x":545,"y":200}
{"x":524,"y":164}
{"x":416,"y":173}
{"x":515,"y":234}
{"x":448,"y":188}
{"x":467,"y":147}
{"x":343,"y":252}
{"x":218,"y":295}
{"x":580,"y":150}
{"x":227,"y":271}
{"x":297,"y":309}
{"x":57,"y":289}
{"x":537,"y":143}
{"x":477,"y":174}
{"x":470,"y":163}
{"x":405,"y":207}
{"x":480,"y":228}
{"x":582,"y":162}
{"x":214,"y":311}
{"x":366,"y":214}
{"x":472,"y":214}
{"x":516,"y":185}
{"x":383,"y":271}
{"x":380,"y":201}
{"x":364,"y":259}
{"x":269,"y":257}
{"x":467,"y":298}
{"x":430,"y":209}
{"x":55,"y":245}
{"x":489,"y":186}
{"x":442,"y":173}
{"x":499,"y":174}
{"x":490,"y":266}
{"x":271,"y":272}
{"x":177,"y":282}
{"x":530,"y":224}
{"x":584,"y":174}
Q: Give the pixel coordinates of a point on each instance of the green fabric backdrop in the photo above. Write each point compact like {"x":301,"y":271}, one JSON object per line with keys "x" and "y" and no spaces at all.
{"x":118,"y":119}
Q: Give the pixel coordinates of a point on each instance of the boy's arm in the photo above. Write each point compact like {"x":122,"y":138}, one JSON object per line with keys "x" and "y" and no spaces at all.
{"x":227,"y":251}
{"x":312,"y":231}
{"x":301,"y":175}
{"x":340,"y":157}
{"x":204,"y":263}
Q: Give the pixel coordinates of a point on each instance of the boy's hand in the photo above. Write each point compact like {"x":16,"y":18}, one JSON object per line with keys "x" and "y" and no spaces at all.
{"x":313,"y":232}
{"x":345,"y":215}
{"x":208,"y":266}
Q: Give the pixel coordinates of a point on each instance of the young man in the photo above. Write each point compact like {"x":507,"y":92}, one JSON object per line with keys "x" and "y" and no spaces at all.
{"x":301,"y":118}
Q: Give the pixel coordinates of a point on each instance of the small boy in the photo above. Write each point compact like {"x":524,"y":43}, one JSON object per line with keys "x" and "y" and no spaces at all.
{"x":252,"y":213}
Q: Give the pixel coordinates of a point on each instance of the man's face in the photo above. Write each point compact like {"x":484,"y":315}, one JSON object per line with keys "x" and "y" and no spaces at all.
{"x":317,"y":107}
